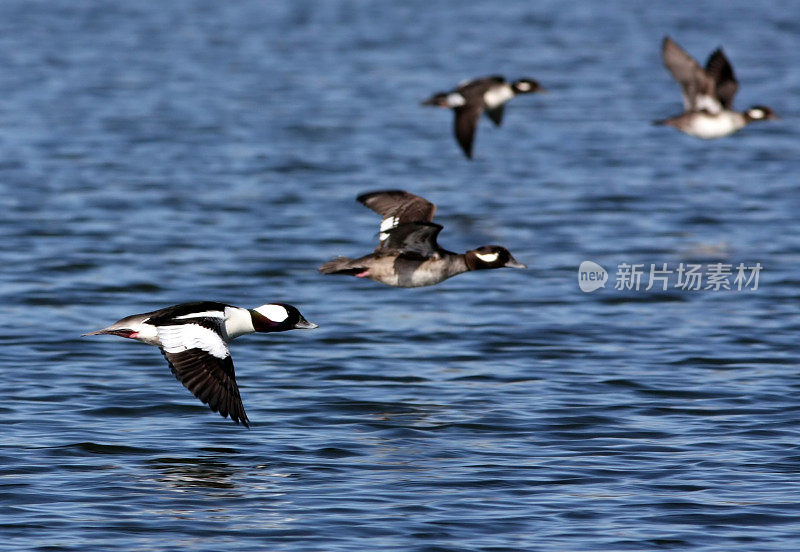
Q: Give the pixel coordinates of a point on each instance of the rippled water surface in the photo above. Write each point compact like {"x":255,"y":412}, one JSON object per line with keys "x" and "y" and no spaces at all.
{"x":153,"y":153}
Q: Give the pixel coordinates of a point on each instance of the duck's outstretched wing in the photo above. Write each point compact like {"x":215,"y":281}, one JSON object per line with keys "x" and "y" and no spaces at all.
{"x":201,"y":361}
{"x":416,"y":239}
{"x":720,"y":70}
{"x":496,"y":114}
{"x":697,"y":87}
{"x":397,"y":207}
{"x":466,"y":121}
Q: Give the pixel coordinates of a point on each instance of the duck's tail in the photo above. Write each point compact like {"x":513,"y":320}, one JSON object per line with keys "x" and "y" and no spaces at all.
{"x":340,"y":265}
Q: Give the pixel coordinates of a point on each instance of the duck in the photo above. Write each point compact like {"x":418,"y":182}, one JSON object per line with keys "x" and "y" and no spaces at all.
{"x":482,"y":95}
{"x":707,"y":95}
{"x":194,"y":338}
{"x":408,"y":254}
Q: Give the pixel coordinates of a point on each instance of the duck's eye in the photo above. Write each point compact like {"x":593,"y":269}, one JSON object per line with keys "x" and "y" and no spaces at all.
{"x":487,"y":257}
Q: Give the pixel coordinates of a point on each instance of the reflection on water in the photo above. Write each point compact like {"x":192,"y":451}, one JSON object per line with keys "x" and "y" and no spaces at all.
{"x":193,"y":472}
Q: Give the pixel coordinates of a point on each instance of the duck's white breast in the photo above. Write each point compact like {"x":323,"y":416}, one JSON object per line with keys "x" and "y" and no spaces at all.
{"x":497,"y":95}
{"x":238,"y":322}
{"x":721,"y":124}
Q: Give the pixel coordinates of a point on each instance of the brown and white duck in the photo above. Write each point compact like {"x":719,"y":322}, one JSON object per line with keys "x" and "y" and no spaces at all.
{"x":408,"y":254}
{"x":707,"y":95}
{"x":483,"y":95}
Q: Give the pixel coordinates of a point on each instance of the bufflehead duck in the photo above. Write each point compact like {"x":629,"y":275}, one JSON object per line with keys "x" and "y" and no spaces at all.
{"x":194,"y":338}
{"x":707,"y":95}
{"x":408,"y":255}
{"x":471,"y":98}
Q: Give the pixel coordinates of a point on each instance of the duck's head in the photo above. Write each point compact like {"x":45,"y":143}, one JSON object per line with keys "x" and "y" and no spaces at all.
{"x":491,"y":256}
{"x":760,"y":113}
{"x":526,"y":86}
{"x":279,"y":317}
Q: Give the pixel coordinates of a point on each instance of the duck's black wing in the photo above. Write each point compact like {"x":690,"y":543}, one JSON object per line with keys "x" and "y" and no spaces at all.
{"x":496,"y":114}
{"x":697,"y":87}
{"x":465,"y":123}
{"x":199,"y":358}
{"x":414,"y":239}
{"x":196,"y":309}
{"x":397,"y":207}
{"x":720,"y":70}
{"x":479,"y":86}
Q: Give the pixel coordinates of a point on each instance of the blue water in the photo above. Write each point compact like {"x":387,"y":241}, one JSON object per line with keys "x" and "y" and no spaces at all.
{"x":159,"y":152}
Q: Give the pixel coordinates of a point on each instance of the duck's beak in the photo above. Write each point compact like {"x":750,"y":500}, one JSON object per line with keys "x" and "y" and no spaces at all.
{"x":513,"y":263}
{"x":304,"y":324}
{"x":110,"y":331}
{"x":437,"y":100}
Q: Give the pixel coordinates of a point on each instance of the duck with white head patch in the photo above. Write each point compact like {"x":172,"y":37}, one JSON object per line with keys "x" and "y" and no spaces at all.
{"x":707,"y":95}
{"x":483,"y":95}
{"x":408,"y":254}
{"x":194,"y":338}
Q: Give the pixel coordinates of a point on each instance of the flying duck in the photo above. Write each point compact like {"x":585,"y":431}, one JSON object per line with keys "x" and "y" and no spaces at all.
{"x":408,"y":254}
{"x":471,"y":98}
{"x":707,"y":95}
{"x":194,"y":338}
